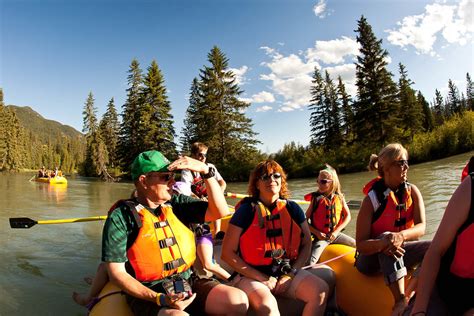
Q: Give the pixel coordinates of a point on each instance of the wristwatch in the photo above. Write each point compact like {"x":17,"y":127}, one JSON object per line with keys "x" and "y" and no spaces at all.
{"x":210,"y":174}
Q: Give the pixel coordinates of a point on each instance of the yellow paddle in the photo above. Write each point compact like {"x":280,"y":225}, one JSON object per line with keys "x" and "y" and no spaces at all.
{"x":25,"y":222}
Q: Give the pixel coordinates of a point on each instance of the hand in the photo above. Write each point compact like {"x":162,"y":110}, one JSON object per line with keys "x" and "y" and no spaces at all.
{"x":395,"y":240}
{"x":270,"y":283}
{"x":332,"y":236}
{"x":179,"y":300}
{"x":321,"y":235}
{"x":396,"y":252}
{"x":184,"y":162}
{"x":283,"y":284}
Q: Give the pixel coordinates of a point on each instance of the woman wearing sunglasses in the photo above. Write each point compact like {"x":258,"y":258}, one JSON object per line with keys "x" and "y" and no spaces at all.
{"x":268,"y":241}
{"x":390,"y":222}
{"x":328,"y":214}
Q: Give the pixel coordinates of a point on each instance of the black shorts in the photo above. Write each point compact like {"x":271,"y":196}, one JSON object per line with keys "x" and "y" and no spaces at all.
{"x":201,"y":287}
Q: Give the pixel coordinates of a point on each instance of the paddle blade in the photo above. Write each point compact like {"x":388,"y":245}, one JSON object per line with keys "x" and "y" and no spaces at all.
{"x":22,"y":222}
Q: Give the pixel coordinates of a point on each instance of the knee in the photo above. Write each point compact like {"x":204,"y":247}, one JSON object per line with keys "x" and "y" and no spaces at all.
{"x":238,"y":302}
{"x":267,"y":306}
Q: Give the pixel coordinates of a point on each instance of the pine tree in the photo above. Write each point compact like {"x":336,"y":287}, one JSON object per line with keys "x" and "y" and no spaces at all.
{"x":190,"y":130}
{"x":96,"y":152}
{"x":453,"y":101}
{"x":156,"y":129}
{"x":318,"y":119}
{"x":438,"y":108}
{"x":410,"y":110}
{"x":129,"y":142}
{"x":333,"y":137}
{"x":109,"y":128}
{"x":222,"y":123}
{"x":428,"y":120}
{"x":347,"y":112}
{"x":469,"y":93}
{"x":376,"y":110}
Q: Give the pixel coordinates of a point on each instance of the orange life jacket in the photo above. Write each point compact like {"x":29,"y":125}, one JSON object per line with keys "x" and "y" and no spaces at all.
{"x":326,"y":214}
{"x":164,"y":245}
{"x":269,"y":233}
{"x":393,"y":212}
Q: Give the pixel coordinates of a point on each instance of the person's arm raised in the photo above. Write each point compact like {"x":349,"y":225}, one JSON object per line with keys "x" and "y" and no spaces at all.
{"x":217,"y":204}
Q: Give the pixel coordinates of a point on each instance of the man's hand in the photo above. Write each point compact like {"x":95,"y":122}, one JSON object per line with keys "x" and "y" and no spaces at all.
{"x":185,"y":162}
{"x":179,"y":300}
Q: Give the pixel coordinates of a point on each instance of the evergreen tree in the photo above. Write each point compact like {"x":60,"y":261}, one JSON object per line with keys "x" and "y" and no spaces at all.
{"x":109,"y":128}
{"x":376,"y":110}
{"x":156,"y":129}
{"x":222,"y":123}
{"x":428,"y":121}
{"x":453,"y":102}
{"x":347,"y":112}
{"x":410,"y":110}
{"x":190,"y":130}
{"x":438,"y":108}
{"x":129,"y":142}
{"x":96,"y":152}
{"x":469,"y":93}
{"x":334,"y":137}
{"x":320,"y":113}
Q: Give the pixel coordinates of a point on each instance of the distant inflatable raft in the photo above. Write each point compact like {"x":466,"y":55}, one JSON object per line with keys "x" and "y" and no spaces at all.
{"x":356,"y":294}
{"x":53,"y":180}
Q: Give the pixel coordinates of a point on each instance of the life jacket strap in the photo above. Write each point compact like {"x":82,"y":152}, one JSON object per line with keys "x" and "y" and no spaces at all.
{"x":400,"y":222}
{"x":274,"y":253}
{"x":274,"y":232}
{"x":161,"y":224}
{"x":174,"y":264}
{"x":167,"y":242}
{"x":272,"y":217}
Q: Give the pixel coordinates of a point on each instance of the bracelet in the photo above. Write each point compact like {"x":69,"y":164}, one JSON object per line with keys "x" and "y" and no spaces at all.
{"x":161,"y":299}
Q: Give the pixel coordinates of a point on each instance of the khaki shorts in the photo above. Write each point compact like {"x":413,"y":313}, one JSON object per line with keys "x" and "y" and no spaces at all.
{"x":249,"y":285}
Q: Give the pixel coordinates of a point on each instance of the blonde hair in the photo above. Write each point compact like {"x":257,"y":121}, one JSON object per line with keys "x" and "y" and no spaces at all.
{"x":335,"y":185}
{"x":385,"y":157}
{"x":267,"y":167}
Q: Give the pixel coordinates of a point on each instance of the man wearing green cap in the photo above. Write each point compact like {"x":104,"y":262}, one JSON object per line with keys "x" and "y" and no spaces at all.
{"x":147,"y":237}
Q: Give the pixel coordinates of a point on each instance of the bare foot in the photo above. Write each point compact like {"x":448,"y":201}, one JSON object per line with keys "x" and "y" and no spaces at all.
{"x":88,"y":280}
{"x":81,"y":299}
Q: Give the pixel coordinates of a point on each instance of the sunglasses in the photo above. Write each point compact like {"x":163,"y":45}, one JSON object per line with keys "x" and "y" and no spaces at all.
{"x":324,"y":181}
{"x":202,"y":155}
{"x":401,"y":162}
{"x":274,"y":176}
{"x":164,"y":177}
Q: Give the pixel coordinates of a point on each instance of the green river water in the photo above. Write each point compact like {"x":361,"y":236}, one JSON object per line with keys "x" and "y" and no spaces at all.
{"x":42,"y":265}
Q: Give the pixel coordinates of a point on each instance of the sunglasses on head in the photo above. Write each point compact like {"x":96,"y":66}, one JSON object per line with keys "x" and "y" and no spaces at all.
{"x":274,"y":176}
{"x":164,"y":177}
{"x":324,"y":181}
{"x":401,"y":162}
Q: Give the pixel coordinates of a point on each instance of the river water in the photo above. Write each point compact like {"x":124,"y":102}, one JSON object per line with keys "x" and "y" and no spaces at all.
{"x":42,"y":265}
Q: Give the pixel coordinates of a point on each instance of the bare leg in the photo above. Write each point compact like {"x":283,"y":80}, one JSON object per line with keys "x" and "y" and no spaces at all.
{"x":398,"y":291}
{"x":314,"y":292}
{"x":226,"y":300}
{"x":205,"y":253}
{"x":100,"y":280}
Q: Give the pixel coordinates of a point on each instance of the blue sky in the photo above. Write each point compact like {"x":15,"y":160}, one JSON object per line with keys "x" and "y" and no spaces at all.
{"x":53,"y":53}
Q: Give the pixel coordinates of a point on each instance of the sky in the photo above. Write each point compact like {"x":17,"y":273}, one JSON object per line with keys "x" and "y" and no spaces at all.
{"x":53,"y":52}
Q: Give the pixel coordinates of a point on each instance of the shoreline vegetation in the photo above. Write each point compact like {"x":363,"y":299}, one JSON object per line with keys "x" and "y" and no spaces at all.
{"x":344,"y":129}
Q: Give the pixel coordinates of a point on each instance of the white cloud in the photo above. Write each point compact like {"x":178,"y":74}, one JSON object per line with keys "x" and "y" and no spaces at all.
{"x":320,"y":9}
{"x":348,"y":76}
{"x":334,"y":51}
{"x":453,"y":23}
{"x":264,"y":108}
{"x":263,"y":97}
{"x":240,"y":74}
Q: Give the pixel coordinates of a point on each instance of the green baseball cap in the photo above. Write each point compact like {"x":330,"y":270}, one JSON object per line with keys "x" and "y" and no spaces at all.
{"x":149,"y":161}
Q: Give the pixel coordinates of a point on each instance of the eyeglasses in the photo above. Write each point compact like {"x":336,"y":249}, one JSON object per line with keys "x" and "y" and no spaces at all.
{"x":324,"y":181}
{"x":401,"y":163}
{"x":274,"y":176}
{"x":164,"y":177}
{"x":202,"y":155}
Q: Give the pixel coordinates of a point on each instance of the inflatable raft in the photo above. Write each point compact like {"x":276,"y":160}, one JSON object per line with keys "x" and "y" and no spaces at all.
{"x":355,"y":293}
{"x":53,"y":180}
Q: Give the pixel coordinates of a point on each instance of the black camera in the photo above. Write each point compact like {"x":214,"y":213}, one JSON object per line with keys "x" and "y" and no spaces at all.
{"x":285,"y":266}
